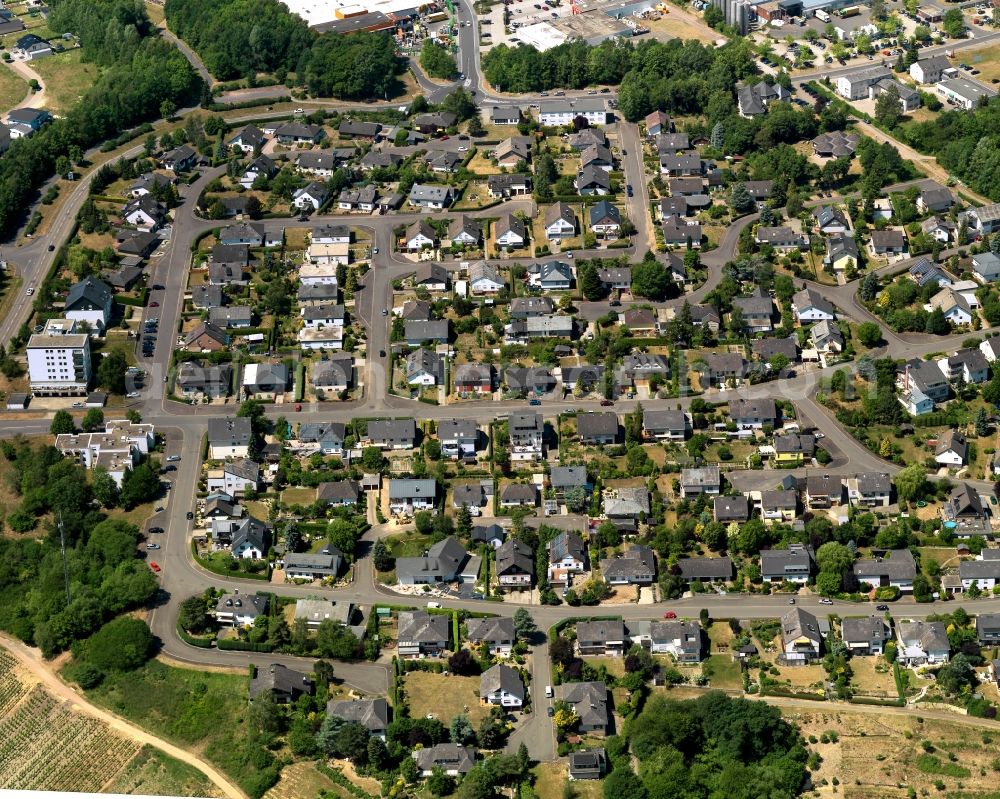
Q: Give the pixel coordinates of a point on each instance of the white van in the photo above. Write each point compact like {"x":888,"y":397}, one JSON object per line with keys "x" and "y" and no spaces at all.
{"x":548,"y":692}
{"x":434,"y":604}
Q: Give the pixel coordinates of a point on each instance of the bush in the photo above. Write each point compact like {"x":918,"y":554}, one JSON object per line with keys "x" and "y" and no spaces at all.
{"x":122,"y":644}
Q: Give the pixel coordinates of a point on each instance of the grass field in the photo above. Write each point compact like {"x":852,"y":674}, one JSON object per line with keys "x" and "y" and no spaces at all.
{"x":986,"y":60}
{"x":725,"y":673}
{"x":66,"y":78}
{"x":552,"y":779}
{"x":155,"y":12}
{"x":868,"y":681}
{"x":153,"y":773}
{"x":304,"y":781}
{"x":13,"y":89}
{"x":202,"y":711}
{"x":445,"y":697}
{"x":298,"y":496}
{"x":878,"y":754}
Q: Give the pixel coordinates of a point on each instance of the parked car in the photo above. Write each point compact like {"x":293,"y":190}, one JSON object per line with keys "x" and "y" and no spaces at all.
{"x":173,"y":458}
{"x":155,"y":529}
{"x":154,"y":566}
{"x":534,"y":402}
{"x":152,"y":546}
{"x":190,"y":515}
{"x":670,"y":615}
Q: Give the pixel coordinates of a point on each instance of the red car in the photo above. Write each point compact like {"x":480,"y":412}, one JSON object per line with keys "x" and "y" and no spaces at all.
{"x":298,"y":406}
{"x":606,"y":403}
{"x":154,"y":304}
{"x":670,"y":615}
{"x":154,"y":566}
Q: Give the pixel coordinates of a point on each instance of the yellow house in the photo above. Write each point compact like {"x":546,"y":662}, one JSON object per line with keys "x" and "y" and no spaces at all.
{"x":792,"y":450}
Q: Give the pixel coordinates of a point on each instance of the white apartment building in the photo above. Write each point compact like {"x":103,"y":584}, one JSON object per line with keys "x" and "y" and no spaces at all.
{"x":59,"y":360}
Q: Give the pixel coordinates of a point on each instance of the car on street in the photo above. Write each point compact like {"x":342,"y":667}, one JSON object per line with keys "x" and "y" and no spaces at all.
{"x":883,"y":608}
{"x":30,"y":292}
{"x":170,"y":468}
{"x":375,"y":251}
{"x":190,"y":515}
{"x":156,"y":529}
{"x":154,"y":566}
{"x":826,"y":601}
{"x":607,"y":403}
{"x":463,"y":149}
{"x":385,"y":312}
{"x":132,"y":394}
{"x":159,"y":509}
{"x":173,"y":458}
{"x":628,"y":190}
{"x":791,"y":600}
{"x":534,"y":402}
{"x":614,"y":303}
{"x":551,"y":711}
{"x":569,"y":255}
{"x":152,"y":546}
{"x":154,"y":304}
{"x":381,"y":353}
{"x":670,"y":615}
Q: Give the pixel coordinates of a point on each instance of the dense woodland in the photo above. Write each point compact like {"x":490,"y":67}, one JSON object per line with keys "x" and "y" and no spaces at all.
{"x":240,"y":39}
{"x":712,"y":746}
{"x":140,"y":76}
{"x":104,"y":572}
{"x":965,"y":143}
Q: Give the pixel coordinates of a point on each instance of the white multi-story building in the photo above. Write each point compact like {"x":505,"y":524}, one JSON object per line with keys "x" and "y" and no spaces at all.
{"x":119,"y":448}
{"x":563,"y":112}
{"x":59,"y":360}
{"x":526,"y":433}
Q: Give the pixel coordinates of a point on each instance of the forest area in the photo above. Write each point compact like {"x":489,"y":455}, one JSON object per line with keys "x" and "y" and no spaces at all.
{"x":243,"y":38}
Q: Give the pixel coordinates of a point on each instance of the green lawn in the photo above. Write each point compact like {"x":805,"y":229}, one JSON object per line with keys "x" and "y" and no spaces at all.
{"x":13,"y":89}
{"x":66,"y":79}
{"x":725,"y":672}
{"x":203,"y":711}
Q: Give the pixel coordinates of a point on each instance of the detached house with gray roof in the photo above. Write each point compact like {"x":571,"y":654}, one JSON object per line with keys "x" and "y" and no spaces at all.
{"x":601,"y":637}
{"x":895,"y":568}
{"x":589,"y":701}
{"x":792,"y":565}
{"x":421,"y":634}
{"x":865,"y":635}
{"x":372,"y":714}
{"x":701,"y":480}
{"x":567,"y":556}
{"x":637,"y":566}
{"x":498,"y":633}
{"x":502,"y":685}
{"x":445,"y":562}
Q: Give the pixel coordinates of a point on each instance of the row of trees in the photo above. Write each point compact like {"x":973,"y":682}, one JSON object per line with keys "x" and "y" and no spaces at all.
{"x":139,"y":73}
{"x":242,"y":38}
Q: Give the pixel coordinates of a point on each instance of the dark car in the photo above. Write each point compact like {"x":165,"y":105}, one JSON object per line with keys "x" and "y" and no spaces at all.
{"x":614,"y":303}
{"x":606,"y":403}
{"x":882,"y":607}
{"x":157,"y":287}
{"x":156,"y":529}
{"x":628,"y":189}
{"x":534,"y":402}
{"x":551,"y":711}
{"x":381,"y":353}
{"x":52,"y":247}
{"x":190,"y":515}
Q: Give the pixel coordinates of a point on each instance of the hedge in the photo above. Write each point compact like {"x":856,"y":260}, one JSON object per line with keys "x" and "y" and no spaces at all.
{"x":770,"y":691}
{"x":244,"y":646}
{"x":869,"y":700}
{"x":187,"y":638}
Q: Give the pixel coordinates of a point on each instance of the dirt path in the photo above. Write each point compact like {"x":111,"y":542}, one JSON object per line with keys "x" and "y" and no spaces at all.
{"x":32,"y":660}
{"x":926,"y":163}
{"x":33,"y":99}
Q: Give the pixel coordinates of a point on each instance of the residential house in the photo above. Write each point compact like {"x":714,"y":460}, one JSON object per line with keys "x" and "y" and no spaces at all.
{"x":473,"y":378}
{"x":824,"y":491}
{"x":567,"y":556}
{"x":466,"y":232}
{"x":409,"y":495}
{"x":800,"y":637}
{"x":731,"y":509}
{"x":492,"y":534}
{"x":754,"y":414}
{"x":592,"y":180}
{"x":236,"y":477}
{"x":512,"y":151}
{"x":501,"y":685}
{"x":420,"y":634}
{"x":601,"y":637}
{"x":504,"y":115}
{"x":934,"y":199}
{"x":424,"y":368}
{"x":930,"y":70}
{"x":515,"y":563}
{"x":338,"y":493}
{"x":985,"y":267}
{"x":206,"y":337}
{"x":888,"y":242}
{"x":485,"y":279}
{"x":605,"y":219}
{"x":589,"y":764}
{"x":865,"y":635}
{"x":555,"y":276}
{"x":597,"y":427}
{"x":265,"y":381}
{"x":510,"y":232}
{"x":756,"y":310}
{"x":753,"y":100}
{"x":432,"y":277}
{"x":706,"y":570}
{"x":508,"y":185}
{"x":519,"y":495}
{"x":327,"y":437}
{"x":870,"y":489}
{"x":782,"y":239}
{"x":793,"y":449}
{"x":589,"y":701}
{"x":180,"y":159}
{"x":830,"y":220}
{"x":922,"y":642}
{"x":445,"y":562}
{"x":792,"y":565}
{"x":196,"y":380}
{"x":767,"y":349}
{"x":637,"y":566}
{"x":90,"y":301}
{"x":430,"y":196}
{"x":779,"y":505}
{"x":526,"y":432}
{"x":372,"y":714}
{"x":922,"y":386}
{"x":458,"y":438}
{"x":566,"y":478}
{"x":952,"y":449}
{"x":325,"y":565}
{"x":942,"y":231}
{"x":392,"y":433}
{"x":560,"y":222}
{"x":616,"y":279}
{"x":310,"y":197}
{"x":835,"y":144}
{"x":702,"y":480}
{"x":452,"y":759}
{"x":841,"y":252}
{"x":666,"y":425}
{"x":656,"y":123}
{"x":982,"y":572}
{"x":144,"y":214}
{"x":682,"y":639}
{"x":809,"y":306}
{"x":564,"y":111}
{"x":434,"y":331}
{"x":827,"y":338}
{"x":350,"y":129}
{"x":895,"y":568}
{"x":498,"y":633}
{"x":249,"y":139}
{"x":988,"y":628}
{"x":240,"y":610}
{"x":527,"y":307}
{"x":229,"y":437}
{"x":724,"y":367}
